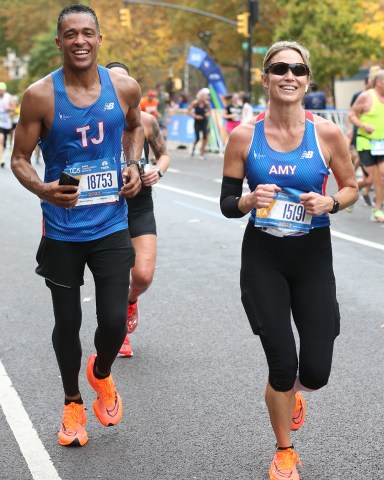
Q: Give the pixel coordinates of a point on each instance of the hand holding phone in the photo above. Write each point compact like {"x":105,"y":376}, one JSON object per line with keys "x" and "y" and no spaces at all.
{"x":67,"y":179}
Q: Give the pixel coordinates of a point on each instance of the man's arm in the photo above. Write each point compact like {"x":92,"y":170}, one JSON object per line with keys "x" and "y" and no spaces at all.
{"x":33,"y":111}
{"x":158,"y":147}
{"x":133,"y":138}
{"x":361,"y":105}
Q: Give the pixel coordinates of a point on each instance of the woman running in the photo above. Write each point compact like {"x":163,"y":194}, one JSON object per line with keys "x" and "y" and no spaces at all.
{"x":286,"y":155}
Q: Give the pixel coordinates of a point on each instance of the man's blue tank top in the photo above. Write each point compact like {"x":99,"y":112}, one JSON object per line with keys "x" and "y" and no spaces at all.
{"x":83,"y":134}
{"x":303,"y":169}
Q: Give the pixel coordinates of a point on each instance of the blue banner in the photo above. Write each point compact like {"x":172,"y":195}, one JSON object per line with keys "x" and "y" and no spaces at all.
{"x":216,"y":84}
{"x":181,"y":128}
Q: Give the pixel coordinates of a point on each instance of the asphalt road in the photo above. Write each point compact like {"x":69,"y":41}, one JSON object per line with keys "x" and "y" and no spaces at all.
{"x":193,"y":391}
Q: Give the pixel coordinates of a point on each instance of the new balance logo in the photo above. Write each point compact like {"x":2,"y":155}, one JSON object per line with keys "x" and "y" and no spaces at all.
{"x":109,"y":106}
{"x":307,"y":154}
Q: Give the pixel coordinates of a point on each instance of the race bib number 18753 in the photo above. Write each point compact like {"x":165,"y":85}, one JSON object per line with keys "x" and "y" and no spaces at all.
{"x":98,"y":181}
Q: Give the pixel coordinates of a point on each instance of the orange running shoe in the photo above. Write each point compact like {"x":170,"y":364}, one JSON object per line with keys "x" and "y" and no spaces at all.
{"x":108,"y":406}
{"x":133,"y":316}
{"x":126,"y":349}
{"x":283,"y":466}
{"x":72,"y":432}
{"x":299,"y":412}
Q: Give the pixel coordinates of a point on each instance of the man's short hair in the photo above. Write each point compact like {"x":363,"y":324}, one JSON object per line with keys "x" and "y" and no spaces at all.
{"x":118,"y":64}
{"x":77,"y":8}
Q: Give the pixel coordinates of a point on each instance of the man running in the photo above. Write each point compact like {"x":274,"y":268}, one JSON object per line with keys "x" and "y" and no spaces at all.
{"x":80,"y":114}
{"x":367,"y":114}
{"x":141,"y":218}
{"x":6,"y":109}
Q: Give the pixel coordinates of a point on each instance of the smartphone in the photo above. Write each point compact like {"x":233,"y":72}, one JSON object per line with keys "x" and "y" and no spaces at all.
{"x":66,"y":179}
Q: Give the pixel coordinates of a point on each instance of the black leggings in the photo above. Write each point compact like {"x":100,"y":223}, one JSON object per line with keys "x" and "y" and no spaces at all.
{"x":111,"y":312}
{"x":280,"y":276}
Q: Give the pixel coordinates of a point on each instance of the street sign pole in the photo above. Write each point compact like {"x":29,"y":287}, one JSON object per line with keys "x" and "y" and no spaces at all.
{"x":249,"y":49}
{"x":253,"y":6}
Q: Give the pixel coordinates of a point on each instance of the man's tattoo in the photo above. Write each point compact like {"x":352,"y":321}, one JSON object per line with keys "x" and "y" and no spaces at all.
{"x":156,"y":141}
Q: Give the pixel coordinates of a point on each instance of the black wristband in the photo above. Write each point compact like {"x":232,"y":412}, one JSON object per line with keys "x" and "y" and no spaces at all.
{"x":231,"y":191}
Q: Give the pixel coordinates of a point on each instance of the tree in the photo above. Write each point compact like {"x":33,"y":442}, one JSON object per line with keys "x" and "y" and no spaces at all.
{"x":328,"y":30}
{"x":44,"y":55}
{"x":372,"y":24}
{"x":26,"y":19}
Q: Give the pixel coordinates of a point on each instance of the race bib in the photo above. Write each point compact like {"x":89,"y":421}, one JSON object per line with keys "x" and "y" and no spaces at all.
{"x":285,"y":215}
{"x":377,"y":147}
{"x":98,"y":181}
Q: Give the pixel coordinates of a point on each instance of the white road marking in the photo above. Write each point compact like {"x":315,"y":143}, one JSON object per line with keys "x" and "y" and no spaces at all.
{"x":361,"y":241}
{"x":344,"y":236}
{"x":32,"y":449}
{"x":188,"y":193}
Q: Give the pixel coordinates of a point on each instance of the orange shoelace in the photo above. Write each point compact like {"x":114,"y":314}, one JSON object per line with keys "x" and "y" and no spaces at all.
{"x":287,"y":459}
{"x":106,"y":390}
{"x":73,"y":415}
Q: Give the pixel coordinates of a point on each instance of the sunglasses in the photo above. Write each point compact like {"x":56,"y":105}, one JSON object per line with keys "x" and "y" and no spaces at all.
{"x":281,"y":68}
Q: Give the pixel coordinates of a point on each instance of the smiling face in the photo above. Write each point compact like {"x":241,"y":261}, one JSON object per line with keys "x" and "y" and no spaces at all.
{"x":79,"y":40}
{"x":286,"y":87}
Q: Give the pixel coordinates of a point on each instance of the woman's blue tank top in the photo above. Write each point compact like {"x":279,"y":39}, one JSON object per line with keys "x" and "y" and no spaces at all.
{"x":303,"y":169}
{"x":83,"y":134}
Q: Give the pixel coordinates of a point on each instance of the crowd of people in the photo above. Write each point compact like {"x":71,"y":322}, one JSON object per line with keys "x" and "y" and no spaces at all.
{"x":111,"y":132}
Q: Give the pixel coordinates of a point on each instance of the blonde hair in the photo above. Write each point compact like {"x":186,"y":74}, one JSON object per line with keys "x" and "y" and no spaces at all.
{"x":286,"y":45}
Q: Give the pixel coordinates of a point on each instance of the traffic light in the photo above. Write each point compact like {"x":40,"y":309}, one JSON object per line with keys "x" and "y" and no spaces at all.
{"x":243,"y":24}
{"x":125,"y":17}
{"x":255,"y":75}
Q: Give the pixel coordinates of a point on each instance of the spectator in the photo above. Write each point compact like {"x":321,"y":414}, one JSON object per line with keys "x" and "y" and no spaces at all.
{"x":315,"y":100}
{"x":150,"y":104}
{"x":183,"y":100}
{"x":247,"y":109}
{"x":232,"y":113}
{"x":162,"y":108}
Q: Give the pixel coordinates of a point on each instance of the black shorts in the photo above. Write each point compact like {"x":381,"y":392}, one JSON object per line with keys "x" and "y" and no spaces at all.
{"x":5,"y":131}
{"x":201,"y":126}
{"x":141,"y":217}
{"x":63,"y":263}
{"x":369,"y":160}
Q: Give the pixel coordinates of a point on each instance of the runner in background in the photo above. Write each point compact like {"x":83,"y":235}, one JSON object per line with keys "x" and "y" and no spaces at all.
{"x":141,"y":218}
{"x":367,"y":114}
{"x":200,"y":110}
{"x":6,"y":110}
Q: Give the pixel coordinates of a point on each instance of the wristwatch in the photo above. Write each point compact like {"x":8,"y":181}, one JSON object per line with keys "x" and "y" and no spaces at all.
{"x":161,"y":174}
{"x":336,"y":205}
{"x":138,"y":164}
